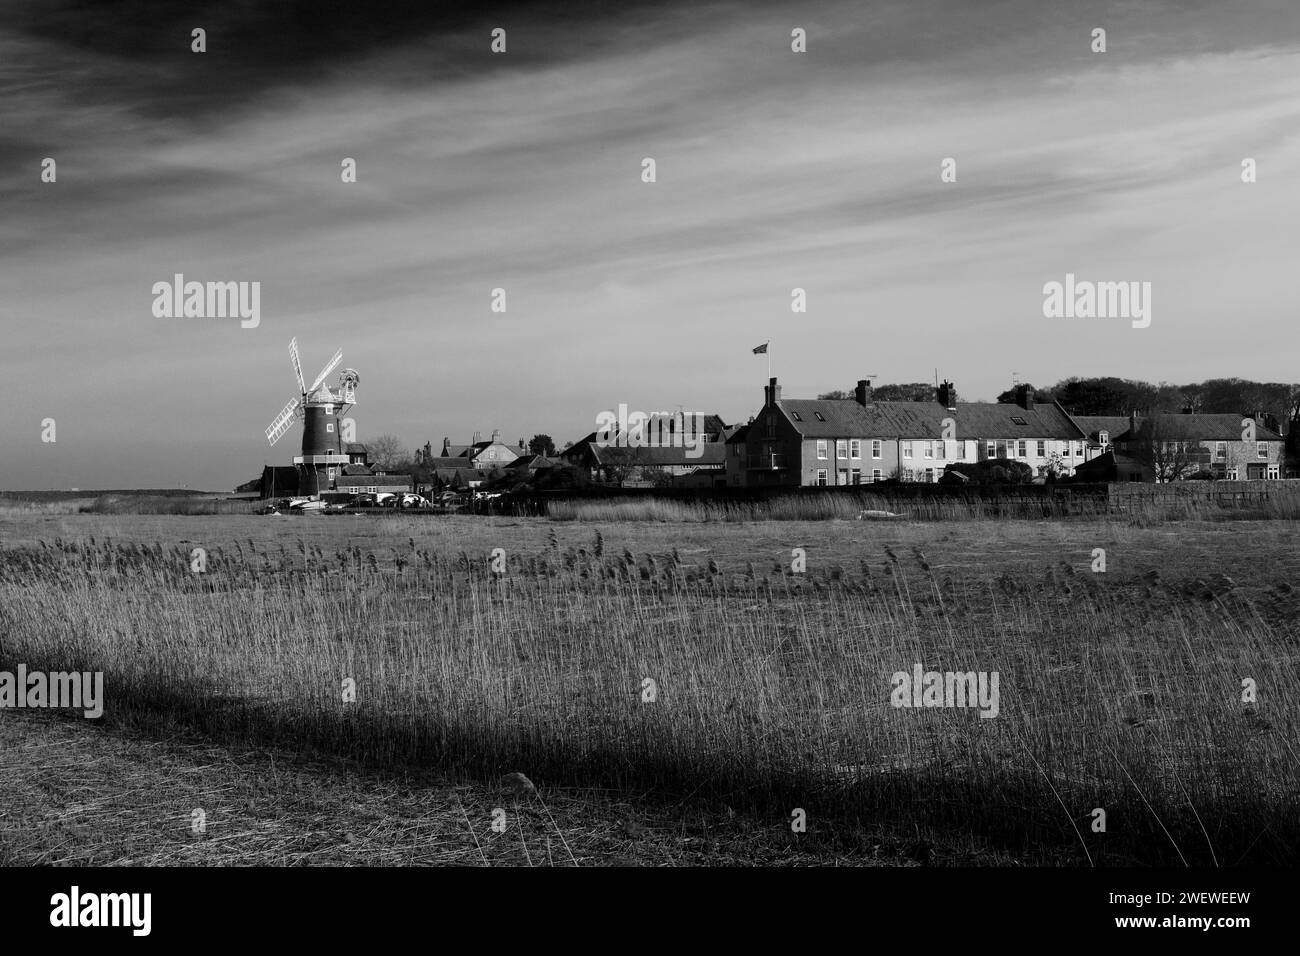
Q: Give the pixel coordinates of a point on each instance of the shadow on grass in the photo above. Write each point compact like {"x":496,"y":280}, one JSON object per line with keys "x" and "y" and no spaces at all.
{"x":941,"y":808}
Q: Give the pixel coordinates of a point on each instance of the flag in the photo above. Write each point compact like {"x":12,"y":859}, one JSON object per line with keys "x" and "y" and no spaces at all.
{"x":761,"y":350}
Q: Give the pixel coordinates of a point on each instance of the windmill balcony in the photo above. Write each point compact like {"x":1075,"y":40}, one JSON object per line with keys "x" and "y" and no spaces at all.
{"x":321,"y":460}
{"x":766,"y":462}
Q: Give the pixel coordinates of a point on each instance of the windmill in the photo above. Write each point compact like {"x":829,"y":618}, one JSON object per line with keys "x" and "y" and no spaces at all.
{"x":318,"y":408}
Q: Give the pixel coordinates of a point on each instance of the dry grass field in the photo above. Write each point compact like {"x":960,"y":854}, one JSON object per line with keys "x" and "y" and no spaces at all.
{"x":771,"y":688}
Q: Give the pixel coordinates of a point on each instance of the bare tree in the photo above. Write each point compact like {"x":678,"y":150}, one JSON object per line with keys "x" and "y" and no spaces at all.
{"x":1169,"y":458}
{"x":387,"y":452}
{"x":542,"y":445}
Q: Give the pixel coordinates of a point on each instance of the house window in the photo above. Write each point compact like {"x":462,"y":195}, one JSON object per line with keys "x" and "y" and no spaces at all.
{"x":875,"y":448}
{"x":1232,"y":474}
{"x":795,"y":416}
{"x":907,"y":449}
{"x":821,"y":476}
{"x":1103,"y":439}
{"x":1065,"y":448}
{"x":855,"y":476}
{"x":855,"y":448}
{"x":877,"y":474}
{"x":929,"y":449}
{"x":1272,"y":472}
{"x":821,"y":449}
{"x":1220,"y":449}
{"x":1042,"y":448}
{"x":329,"y":427}
{"x":841,"y":448}
{"x":1021,"y":450}
{"x":1016,"y":419}
{"x":1261,"y":449}
{"x":819,"y":416}
{"x":929,"y":476}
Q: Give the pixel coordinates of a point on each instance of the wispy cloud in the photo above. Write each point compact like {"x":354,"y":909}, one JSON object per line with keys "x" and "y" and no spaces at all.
{"x":523,"y":171}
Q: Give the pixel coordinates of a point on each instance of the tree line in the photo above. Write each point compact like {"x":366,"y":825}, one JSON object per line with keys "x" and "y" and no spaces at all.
{"x":1108,"y":395}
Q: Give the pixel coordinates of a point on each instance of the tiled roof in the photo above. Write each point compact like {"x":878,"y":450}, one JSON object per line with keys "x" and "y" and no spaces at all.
{"x":1172,"y":427}
{"x":1114,"y":425}
{"x":532,"y":461}
{"x":375,"y":481}
{"x":845,"y":418}
{"x":710,"y":453}
{"x":738,"y":435}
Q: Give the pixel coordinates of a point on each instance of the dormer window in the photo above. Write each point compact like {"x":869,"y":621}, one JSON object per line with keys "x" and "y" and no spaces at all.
{"x":1103,"y":439}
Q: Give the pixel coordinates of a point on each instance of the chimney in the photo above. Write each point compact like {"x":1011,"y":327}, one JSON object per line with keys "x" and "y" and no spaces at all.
{"x":772,"y":393}
{"x":863,"y":392}
{"x":477,"y":436}
{"x":1133,"y":420}
{"x":496,"y":435}
{"x":521,"y":444}
{"x":1025,"y":397}
{"x":446,"y":447}
{"x":948,"y":396}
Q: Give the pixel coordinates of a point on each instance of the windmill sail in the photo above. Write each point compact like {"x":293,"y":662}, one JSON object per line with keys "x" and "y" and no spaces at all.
{"x":275,"y":431}
{"x":297,"y":365}
{"x":333,"y":364}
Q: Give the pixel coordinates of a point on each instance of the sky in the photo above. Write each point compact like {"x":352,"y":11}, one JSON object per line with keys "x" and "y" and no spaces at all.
{"x":522,"y":170}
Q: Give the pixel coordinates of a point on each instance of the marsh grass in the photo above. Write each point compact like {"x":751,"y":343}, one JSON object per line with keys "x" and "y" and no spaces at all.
{"x":1157,"y":505}
{"x":1117,"y":691}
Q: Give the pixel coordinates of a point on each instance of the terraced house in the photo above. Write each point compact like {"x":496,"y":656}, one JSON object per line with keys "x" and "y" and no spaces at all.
{"x":858,"y":440}
{"x":1171,"y":447}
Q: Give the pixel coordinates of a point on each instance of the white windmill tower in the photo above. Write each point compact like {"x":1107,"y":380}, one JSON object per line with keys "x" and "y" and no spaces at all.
{"x":318,"y":408}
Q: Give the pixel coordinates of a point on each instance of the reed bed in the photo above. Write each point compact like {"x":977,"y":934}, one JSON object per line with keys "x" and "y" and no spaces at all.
{"x":770,"y":687}
{"x":1282,"y":503}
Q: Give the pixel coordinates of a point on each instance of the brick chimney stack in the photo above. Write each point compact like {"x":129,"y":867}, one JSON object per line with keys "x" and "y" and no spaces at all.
{"x":948,"y":396}
{"x":446,"y":447}
{"x":1025,"y":397}
{"x":863,"y":392}
{"x":771,"y":393}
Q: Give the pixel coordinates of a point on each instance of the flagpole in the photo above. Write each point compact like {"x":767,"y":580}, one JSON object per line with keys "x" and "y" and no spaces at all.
{"x":768,"y":352}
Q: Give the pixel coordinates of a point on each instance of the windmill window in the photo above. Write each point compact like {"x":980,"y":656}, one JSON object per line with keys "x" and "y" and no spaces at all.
{"x":330,"y":427}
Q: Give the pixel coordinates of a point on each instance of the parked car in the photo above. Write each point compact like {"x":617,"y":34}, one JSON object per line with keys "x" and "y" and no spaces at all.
{"x":411,"y":500}
{"x":306,"y":504}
